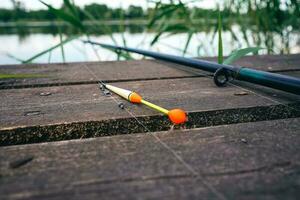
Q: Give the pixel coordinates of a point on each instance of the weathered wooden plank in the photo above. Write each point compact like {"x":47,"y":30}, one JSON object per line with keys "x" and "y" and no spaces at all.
{"x":46,"y":114}
{"x":50,"y":105}
{"x":83,"y":73}
{"x":243,"y":161}
{"x":271,"y":63}
{"x":87,"y":103}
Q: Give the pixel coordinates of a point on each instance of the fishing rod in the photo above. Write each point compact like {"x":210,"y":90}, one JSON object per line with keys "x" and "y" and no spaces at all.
{"x":177,"y":116}
{"x":222,"y":73}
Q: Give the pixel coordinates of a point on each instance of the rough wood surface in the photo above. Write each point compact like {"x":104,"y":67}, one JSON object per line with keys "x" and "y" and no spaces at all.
{"x":67,"y":104}
{"x":68,"y":111}
{"x":247,"y":149}
{"x":244,"y":161}
{"x":41,"y":114}
{"x":84,"y":73}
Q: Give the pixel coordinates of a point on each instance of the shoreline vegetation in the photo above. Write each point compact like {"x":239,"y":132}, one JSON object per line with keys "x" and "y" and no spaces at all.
{"x":98,"y":11}
{"x":262,"y":16}
{"x":232,"y":11}
{"x":126,"y":22}
{"x":261,"y":23}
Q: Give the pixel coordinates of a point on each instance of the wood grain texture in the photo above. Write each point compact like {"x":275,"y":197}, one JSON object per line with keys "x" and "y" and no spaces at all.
{"x":243,"y":161}
{"x":87,"y":103}
{"x":41,"y":114}
{"x":87,"y":73}
{"x":226,"y":159}
{"x":81,"y":111}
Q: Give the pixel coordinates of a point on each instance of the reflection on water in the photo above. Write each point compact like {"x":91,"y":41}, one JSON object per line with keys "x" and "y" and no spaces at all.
{"x":26,"y":42}
{"x":26,"y":29}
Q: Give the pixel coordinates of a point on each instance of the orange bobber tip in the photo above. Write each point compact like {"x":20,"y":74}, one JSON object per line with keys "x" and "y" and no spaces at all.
{"x":135,"y":98}
{"x":177,"y":116}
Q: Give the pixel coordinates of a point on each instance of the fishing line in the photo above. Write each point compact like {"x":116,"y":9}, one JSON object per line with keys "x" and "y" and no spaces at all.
{"x":219,"y":71}
{"x":83,"y":52}
{"x":180,"y":159}
{"x":167,"y":147}
{"x":203,"y":74}
{"x":177,"y":116}
{"x":175,"y":48}
{"x":95,"y":50}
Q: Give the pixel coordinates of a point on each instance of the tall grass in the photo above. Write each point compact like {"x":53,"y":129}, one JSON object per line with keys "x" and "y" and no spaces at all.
{"x":164,"y":13}
{"x":220,"y":42}
{"x":71,"y":15}
{"x":162,"y":23}
{"x":263,"y":17}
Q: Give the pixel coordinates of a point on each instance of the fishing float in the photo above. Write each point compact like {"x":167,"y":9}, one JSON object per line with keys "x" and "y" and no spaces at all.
{"x":177,"y":116}
{"x":222,"y":73}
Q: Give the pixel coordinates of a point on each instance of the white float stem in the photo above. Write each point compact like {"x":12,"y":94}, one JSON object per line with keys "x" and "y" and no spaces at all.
{"x":121,"y":92}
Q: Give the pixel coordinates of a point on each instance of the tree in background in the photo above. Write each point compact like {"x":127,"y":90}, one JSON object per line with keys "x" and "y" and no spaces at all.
{"x":98,"y":11}
{"x":18,"y":10}
{"x":135,"y":12}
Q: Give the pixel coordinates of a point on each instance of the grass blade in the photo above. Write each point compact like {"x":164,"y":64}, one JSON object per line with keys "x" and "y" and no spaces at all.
{"x":220,"y":44}
{"x":50,"y":49}
{"x":155,"y":39}
{"x":164,"y":12}
{"x":71,"y":7}
{"x":13,"y":57}
{"x":62,"y":47}
{"x":64,"y":16}
{"x":121,"y":54}
{"x":189,"y":37}
{"x":235,"y":55}
{"x":49,"y":57}
{"x":172,"y":29}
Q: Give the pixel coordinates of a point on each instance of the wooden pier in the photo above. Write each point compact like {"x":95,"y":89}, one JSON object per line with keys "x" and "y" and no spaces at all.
{"x":62,"y":138}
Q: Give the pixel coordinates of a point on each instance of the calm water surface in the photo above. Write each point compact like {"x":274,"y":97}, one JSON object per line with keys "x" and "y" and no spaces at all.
{"x":203,"y":44}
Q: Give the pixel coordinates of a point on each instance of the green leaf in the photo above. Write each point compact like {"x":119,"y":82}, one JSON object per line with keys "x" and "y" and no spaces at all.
{"x":220,"y":45}
{"x":189,"y":37}
{"x":71,"y":7}
{"x":155,"y":39}
{"x":64,"y":16}
{"x":122,"y":28}
{"x":14,"y":57}
{"x":167,"y":10}
{"x":21,"y":76}
{"x":62,"y":47}
{"x":125,"y":55}
{"x":50,"y":49}
{"x":235,"y":55}
{"x":174,"y":28}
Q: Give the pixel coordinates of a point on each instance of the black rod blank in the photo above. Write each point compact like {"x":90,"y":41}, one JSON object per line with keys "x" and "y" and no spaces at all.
{"x":272,"y":80}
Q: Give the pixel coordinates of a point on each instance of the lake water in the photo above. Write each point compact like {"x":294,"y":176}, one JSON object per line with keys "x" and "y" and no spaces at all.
{"x":202,"y":44}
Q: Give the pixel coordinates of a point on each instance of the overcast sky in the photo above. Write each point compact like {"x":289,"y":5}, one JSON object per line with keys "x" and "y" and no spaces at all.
{"x":35,"y":4}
